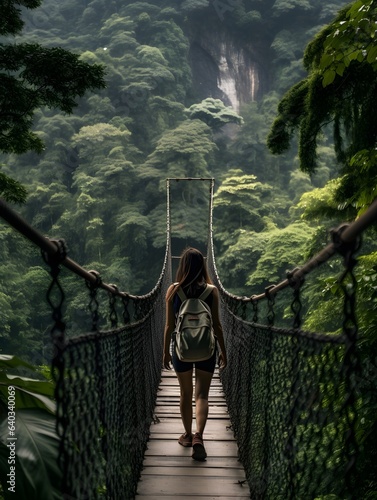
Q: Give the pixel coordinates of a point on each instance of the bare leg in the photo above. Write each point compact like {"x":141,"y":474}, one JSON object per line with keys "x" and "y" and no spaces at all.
{"x":202,"y":385}
{"x":186,"y":386}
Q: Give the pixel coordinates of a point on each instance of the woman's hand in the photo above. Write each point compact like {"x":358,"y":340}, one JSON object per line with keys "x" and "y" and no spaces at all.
{"x":222,"y":360}
{"x":167,"y":361}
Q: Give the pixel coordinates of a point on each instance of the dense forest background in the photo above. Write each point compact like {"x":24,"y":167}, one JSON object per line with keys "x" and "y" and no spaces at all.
{"x":192,"y":91}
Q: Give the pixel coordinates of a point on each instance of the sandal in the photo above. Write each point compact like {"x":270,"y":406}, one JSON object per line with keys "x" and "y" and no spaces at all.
{"x":185,"y":440}
{"x":199,"y":452}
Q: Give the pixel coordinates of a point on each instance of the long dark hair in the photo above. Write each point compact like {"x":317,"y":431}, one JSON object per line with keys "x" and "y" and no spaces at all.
{"x":192,"y":272}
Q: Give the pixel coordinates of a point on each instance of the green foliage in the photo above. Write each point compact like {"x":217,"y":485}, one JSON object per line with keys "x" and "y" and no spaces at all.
{"x":284,"y":249}
{"x":99,"y":139}
{"x":299,"y":184}
{"x":323,"y":294}
{"x":10,"y":19}
{"x":246,"y":211}
{"x":340,"y":88}
{"x":352,"y":38}
{"x":361,"y":190}
{"x":135,"y":9}
{"x":323,"y":302}
{"x":290,"y":111}
{"x":249,"y":151}
{"x":31,"y":392}
{"x":38,"y":474}
{"x":182,"y":150}
{"x":285,"y":46}
{"x":284,"y":6}
{"x":242,"y":201}
{"x":100,"y":180}
{"x":320,"y":203}
{"x":33,"y":76}
{"x":236,"y":259}
{"x":191,"y":5}
{"x":367,"y":282}
{"x":21,"y":330}
{"x":11,"y":190}
{"x":214,"y":113}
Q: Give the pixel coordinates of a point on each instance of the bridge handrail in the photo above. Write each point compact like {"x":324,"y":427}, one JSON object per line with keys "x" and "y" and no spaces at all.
{"x":342,"y":235}
{"x":53,"y":248}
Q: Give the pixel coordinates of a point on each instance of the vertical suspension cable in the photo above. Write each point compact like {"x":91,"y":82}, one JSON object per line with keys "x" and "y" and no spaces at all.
{"x":210,"y":249}
{"x":210,"y":215}
{"x":168,"y":230}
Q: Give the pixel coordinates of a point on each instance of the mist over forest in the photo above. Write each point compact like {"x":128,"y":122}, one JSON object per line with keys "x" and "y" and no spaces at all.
{"x":192,"y":90}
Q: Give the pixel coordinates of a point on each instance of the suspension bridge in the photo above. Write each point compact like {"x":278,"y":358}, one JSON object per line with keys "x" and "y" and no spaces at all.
{"x":294,"y":398}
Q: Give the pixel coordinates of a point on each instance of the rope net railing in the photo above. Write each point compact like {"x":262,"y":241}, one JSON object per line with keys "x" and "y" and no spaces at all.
{"x":296,"y":399}
{"x":106,"y":382}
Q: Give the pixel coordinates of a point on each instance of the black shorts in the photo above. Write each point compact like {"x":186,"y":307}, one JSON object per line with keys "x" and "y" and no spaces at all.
{"x":184,"y":366}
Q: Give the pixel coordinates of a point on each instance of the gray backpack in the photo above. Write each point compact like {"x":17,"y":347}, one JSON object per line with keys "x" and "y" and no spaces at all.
{"x":194,"y":337}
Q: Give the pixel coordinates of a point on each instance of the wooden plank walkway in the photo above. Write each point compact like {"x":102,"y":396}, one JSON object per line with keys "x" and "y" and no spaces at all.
{"x":168,"y":469}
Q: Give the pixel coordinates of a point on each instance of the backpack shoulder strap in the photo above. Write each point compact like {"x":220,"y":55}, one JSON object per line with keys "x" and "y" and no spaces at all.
{"x":181,"y":294}
{"x":207,"y":291}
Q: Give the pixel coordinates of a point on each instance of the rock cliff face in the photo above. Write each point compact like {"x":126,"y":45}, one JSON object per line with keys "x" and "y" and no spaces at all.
{"x":224,"y":69}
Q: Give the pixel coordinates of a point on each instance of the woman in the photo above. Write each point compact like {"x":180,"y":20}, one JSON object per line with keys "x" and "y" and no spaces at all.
{"x":192,"y":276}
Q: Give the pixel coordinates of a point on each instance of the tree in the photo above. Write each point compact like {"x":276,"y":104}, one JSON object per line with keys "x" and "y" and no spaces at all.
{"x":245,"y":214}
{"x":249,"y":150}
{"x":284,"y":6}
{"x":189,"y":5}
{"x":32,"y":76}
{"x":284,"y":249}
{"x":185,"y":151}
{"x":340,"y":89}
{"x":243,"y":202}
{"x":182,"y":151}
{"x":214,"y":113}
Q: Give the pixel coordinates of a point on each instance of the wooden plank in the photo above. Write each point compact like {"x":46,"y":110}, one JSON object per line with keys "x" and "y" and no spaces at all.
{"x":197,"y":497}
{"x":168,"y":468}
{"x":180,"y":487}
{"x":172,"y":462}
{"x":175,"y":415}
{"x":173,"y":410}
{"x":173,"y":449}
{"x":172,"y":392}
{"x":236,"y":474}
{"x":172,"y":389}
{"x":175,"y":401}
{"x":173,"y":384}
{"x":175,"y":427}
{"x":171,"y":377}
{"x":201,"y":497}
{"x":210,"y":434}
{"x":174,"y":437}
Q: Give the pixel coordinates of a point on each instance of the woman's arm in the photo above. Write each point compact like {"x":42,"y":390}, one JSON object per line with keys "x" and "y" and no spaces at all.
{"x":217,"y":327}
{"x":169,"y":327}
